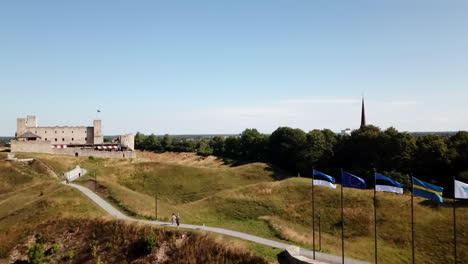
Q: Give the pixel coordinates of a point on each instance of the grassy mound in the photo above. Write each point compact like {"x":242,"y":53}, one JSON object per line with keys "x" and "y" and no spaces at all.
{"x":29,"y":196}
{"x":281,"y":210}
{"x":251,"y":199}
{"x":110,"y":241}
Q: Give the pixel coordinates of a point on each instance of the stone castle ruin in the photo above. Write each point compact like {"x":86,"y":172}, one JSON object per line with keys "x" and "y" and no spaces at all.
{"x":70,"y":140}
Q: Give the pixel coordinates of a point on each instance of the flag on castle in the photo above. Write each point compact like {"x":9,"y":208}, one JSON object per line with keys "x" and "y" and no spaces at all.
{"x":461,"y":190}
{"x":323,"y":179}
{"x":352,"y":181}
{"x":385,"y":184}
{"x":427,"y":190}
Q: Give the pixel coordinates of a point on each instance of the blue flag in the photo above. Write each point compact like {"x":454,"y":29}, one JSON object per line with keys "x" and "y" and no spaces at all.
{"x":427,"y":190}
{"x":323,"y":179}
{"x":352,"y":181}
{"x":385,"y":184}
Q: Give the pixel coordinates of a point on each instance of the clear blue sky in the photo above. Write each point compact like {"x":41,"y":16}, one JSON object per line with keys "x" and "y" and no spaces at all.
{"x":182,"y":67}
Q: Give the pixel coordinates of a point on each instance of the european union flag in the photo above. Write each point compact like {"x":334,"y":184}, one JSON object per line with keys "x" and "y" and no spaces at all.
{"x":352,"y":181}
{"x":427,"y":190}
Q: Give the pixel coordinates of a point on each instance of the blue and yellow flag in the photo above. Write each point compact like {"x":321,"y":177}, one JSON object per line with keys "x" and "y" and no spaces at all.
{"x":427,"y":190}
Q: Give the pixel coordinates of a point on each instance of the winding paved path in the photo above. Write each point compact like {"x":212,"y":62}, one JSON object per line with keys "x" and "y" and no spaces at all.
{"x":116,"y":213}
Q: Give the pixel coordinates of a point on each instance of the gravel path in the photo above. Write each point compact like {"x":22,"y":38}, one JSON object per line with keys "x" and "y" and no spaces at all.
{"x":332,"y":259}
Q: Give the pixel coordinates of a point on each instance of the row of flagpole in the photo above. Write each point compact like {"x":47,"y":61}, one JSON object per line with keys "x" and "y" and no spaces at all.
{"x":423,"y":189}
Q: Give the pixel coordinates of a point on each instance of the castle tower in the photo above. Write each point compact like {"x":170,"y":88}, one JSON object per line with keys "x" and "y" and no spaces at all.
{"x":98,"y":138}
{"x":20,"y":126}
{"x":363,"y":115}
{"x":31,"y":121}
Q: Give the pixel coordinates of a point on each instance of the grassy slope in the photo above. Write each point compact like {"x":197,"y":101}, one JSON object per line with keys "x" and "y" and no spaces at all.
{"x":22,"y":206}
{"x":246,"y":198}
{"x":110,"y":241}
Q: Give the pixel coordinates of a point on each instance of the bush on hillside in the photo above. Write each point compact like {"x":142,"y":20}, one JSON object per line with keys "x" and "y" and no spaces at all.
{"x":36,"y":254}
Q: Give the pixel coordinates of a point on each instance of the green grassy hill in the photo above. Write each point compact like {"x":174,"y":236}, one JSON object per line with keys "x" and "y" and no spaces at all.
{"x":252,"y":198}
{"x":29,"y":196}
{"x":249,"y":198}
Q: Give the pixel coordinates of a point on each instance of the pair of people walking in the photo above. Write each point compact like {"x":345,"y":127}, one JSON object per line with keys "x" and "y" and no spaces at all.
{"x":175,"y":219}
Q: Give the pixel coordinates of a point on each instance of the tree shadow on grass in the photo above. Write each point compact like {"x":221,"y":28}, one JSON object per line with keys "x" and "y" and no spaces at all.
{"x":278,"y":174}
{"x":446,"y":204}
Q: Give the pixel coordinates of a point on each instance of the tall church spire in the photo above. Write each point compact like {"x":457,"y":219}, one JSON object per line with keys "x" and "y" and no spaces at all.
{"x":363,"y":115}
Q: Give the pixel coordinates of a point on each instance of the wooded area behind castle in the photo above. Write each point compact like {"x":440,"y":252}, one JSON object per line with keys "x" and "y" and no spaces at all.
{"x":398,"y":155}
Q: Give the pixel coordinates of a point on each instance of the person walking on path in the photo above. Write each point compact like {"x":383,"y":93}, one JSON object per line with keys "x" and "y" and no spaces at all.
{"x":177,"y":220}
{"x":173,"y":219}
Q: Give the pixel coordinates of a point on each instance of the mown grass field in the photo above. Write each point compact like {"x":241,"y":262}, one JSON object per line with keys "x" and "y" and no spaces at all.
{"x":252,"y":199}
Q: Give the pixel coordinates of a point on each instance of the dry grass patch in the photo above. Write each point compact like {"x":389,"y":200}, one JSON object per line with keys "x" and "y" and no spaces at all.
{"x":111,"y":241}
{"x":23,"y":210}
{"x":182,"y":158}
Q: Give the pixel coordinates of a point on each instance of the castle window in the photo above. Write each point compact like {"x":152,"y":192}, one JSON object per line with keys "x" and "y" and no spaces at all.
{"x":73,"y":139}
{"x":63,"y":139}
{"x":45,"y":139}
{"x":63,"y":132}
{"x":45,"y":131}
{"x":72,"y":132}
{"x":86,"y":139}
{"x":55,"y":139}
{"x":55,"y":132}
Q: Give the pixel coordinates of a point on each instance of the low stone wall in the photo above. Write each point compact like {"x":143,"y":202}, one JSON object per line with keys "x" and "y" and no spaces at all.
{"x":31,"y":146}
{"x":79,"y":152}
{"x":74,"y":174}
{"x":46,"y":147}
{"x":293,"y":256}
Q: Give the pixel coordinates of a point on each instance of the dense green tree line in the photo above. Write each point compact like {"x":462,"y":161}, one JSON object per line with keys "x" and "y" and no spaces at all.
{"x":398,"y":154}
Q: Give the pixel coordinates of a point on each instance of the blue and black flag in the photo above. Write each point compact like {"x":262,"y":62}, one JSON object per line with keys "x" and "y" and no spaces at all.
{"x":385,"y":184}
{"x":323,"y":179}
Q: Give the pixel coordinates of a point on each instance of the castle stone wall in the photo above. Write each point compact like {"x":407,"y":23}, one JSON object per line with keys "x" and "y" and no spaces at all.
{"x":79,"y":152}
{"x":68,"y":140}
{"x":31,"y":146}
{"x":128,"y":141}
{"x":46,"y":147}
{"x":63,"y":135}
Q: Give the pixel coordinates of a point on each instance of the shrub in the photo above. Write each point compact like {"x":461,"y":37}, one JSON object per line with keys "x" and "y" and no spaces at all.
{"x":94,"y":247}
{"x":99,"y":261}
{"x":52,"y":250}
{"x":71,"y":255}
{"x":36,"y":254}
